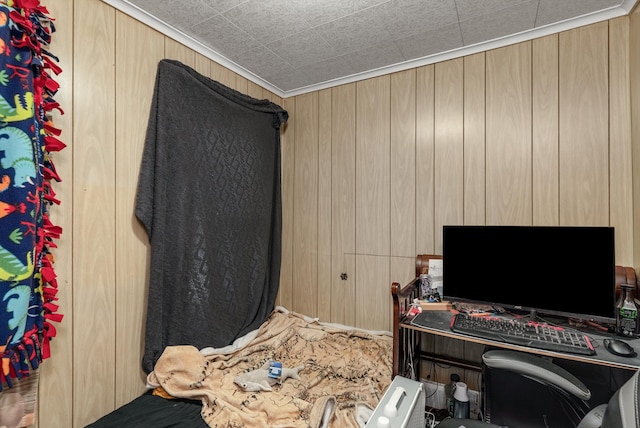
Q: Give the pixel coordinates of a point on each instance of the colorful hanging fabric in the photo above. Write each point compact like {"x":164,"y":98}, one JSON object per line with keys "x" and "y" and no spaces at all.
{"x":28,"y":136}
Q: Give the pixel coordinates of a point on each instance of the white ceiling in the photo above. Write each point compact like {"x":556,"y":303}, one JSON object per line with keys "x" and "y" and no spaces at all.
{"x":296,"y":46}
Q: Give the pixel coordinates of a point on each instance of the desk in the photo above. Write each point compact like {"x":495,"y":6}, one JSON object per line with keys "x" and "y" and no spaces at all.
{"x":437,"y":322}
{"x":406,"y":337}
{"x":601,"y":373}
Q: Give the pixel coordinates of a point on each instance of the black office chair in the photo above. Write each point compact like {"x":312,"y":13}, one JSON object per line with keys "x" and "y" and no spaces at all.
{"x":621,"y":411}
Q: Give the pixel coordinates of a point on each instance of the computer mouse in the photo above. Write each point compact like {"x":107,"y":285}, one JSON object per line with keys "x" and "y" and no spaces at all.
{"x":619,"y":347}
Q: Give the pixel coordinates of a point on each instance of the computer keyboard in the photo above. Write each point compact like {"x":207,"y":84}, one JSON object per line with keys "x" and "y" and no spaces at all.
{"x":525,"y":333}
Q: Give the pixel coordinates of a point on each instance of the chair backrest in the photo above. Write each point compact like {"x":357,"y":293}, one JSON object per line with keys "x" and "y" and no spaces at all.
{"x":538,"y":369}
{"x":511,"y":378}
{"x":623,"y":409}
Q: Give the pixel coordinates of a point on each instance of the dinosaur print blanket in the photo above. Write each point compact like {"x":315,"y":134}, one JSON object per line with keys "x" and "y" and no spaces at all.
{"x":345,"y":372}
{"x":27,"y":137}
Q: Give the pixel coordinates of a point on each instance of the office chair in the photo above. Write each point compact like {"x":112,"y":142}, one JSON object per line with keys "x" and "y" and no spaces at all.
{"x":621,"y":411}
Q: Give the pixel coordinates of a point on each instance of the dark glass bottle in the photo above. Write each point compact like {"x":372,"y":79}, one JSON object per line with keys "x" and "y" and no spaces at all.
{"x":627,"y":312}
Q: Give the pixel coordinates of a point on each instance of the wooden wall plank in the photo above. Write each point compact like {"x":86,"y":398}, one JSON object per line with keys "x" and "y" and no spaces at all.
{"x":620,"y":150}
{"x":373,"y":297}
{"x":94,"y":337}
{"x":242,"y":84}
{"x":216,"y":71}
{"x":201,"y":64}
{"x":343,"y":203}
{"x":372,"y":166}
{"x":634,"y":67}
{"x":305,"y":208}
{"x":372,"y":202}
{"x":55,"y":381}
{"x":474,"y":139}
{"x":225,"y":76}
{"x":324,"y":205}
{"x":509,"y":135}
{"x":272,"y":97}
{"x":136,"y":70}
{"x":425,"y":161}
{"x":255,"y":91}
{"x":403,"y":175}
{"x":179,"y":52}
{"x":584,"y":127}
{"x":285,"y":291}
{"x":448,"y":149}
{"x":403,"y":164}
{"x":544,"y":99}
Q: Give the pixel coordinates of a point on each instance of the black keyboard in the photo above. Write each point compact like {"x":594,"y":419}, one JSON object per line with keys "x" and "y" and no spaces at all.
{"x":525,"y":333}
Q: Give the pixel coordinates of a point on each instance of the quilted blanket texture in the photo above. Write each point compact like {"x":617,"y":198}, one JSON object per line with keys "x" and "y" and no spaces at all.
{"x":346,"y":372}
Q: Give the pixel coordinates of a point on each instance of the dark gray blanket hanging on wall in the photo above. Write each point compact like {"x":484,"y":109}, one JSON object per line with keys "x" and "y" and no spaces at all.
{"x":209,"y":198}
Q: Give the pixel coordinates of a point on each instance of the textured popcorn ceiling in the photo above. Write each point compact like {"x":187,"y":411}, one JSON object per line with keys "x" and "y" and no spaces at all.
{"x":297,"y":46}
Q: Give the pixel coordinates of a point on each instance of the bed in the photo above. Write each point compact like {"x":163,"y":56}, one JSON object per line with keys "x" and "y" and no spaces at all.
{"x":341,"y":374}
{"x":218,"y":352}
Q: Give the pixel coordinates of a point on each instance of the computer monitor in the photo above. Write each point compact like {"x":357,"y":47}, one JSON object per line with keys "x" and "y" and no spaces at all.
{"x":566,"y":271}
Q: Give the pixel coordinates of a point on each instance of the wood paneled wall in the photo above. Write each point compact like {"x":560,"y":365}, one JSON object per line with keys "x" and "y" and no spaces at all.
{"x":540,"y":132}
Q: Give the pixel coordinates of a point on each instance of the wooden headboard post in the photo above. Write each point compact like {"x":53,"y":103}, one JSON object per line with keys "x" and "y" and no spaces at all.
{"x":408,"y":340}
{"x":626,"y":275}
{"x":402,"y":298}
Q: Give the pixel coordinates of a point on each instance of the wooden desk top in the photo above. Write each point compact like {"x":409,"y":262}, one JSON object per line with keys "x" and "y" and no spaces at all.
{"x":437,"y":322}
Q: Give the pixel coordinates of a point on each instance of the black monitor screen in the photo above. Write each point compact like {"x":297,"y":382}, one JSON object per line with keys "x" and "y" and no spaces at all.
{"x":555,"y":270}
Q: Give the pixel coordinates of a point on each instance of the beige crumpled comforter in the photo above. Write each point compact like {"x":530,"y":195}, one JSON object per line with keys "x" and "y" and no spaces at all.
{"x":346,"y":372}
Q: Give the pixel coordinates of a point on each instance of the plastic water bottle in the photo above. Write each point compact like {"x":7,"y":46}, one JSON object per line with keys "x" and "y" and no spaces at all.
{"x":461,"y":401}
{"x":449,"y":389}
